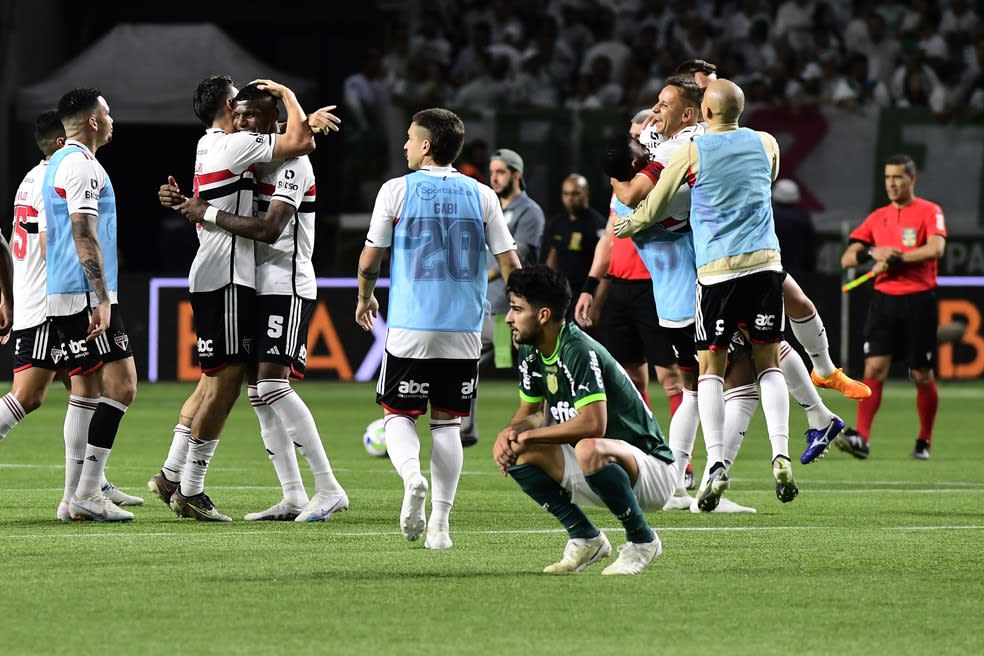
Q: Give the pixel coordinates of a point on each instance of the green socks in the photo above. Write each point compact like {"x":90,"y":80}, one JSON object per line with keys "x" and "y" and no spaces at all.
{"x":557,"y":500}
{"x":611,"y":484}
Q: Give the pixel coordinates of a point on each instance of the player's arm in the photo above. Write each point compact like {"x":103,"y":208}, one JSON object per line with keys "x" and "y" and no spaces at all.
{"x":169,"y":195}
{"x":591,"y":421}
{"x":654,"y":206}
{"x":370,"y":262}
{"x":299,"y":138}
{"x":932,"y":250}
{"x":6,"y":287}
{"x":84,"y":233}
{"x":635,"y":190}
{"x":266,"y":229}
{"x":497,"y":236}
{"x":599,"y":269}
{"x":529,"y":415}
{"x":551,"y":259}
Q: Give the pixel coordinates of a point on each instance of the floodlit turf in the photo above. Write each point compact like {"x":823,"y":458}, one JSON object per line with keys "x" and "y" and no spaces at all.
{"x":874,"y":557}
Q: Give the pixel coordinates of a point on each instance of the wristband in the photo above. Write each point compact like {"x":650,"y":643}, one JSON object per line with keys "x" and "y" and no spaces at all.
{"x":590,"y":285}
{"x":895,"y":259}
{"x":863,"y":256}
{"x":211,"y":214}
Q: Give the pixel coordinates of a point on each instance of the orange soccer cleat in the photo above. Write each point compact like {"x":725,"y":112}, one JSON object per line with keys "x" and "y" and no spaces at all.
{"x":852,"y":389}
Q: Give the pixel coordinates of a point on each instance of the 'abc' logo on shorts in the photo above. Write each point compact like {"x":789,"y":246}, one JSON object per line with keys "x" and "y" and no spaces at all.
{"x":413,"y":388}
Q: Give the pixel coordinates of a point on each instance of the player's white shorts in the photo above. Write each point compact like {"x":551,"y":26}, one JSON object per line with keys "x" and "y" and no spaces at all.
{"x":656,"y":483}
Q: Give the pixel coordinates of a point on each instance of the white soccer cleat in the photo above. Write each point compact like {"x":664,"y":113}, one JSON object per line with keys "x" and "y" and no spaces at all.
{"x":322,"y":506}
{"x":278,"y":512}
{"x":581,"y":552}
{"x":679,"y":501}
{"x":97,"y":509}
{"x":63,"y":514}
{"x":412,"y":517}
{"x":634,"y":556}
{"x":119,"y":497}
{"x":725,"y":505}
{"x":438,"y":537}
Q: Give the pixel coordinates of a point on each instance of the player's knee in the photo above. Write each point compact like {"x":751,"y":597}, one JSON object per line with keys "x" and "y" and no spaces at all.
{"x":30,"y":399}
{"x":921,"y":376}
{"x":271,"y":389}
{"x":587,"y":453}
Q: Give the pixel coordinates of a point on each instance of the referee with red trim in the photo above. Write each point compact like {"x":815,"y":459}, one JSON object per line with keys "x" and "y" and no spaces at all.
{"x":904,"y":239}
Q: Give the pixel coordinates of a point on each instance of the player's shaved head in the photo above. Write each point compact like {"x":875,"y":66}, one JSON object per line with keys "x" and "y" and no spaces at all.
{"x":725,"y":100}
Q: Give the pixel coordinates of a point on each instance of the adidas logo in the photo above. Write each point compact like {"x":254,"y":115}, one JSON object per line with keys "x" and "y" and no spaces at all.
{"x":92,"y":459}
{"x":200,"y":463}
{"x":274,"y":351}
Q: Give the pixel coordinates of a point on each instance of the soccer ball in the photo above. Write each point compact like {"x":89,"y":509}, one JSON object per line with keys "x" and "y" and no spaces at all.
{"x":374,"y":439}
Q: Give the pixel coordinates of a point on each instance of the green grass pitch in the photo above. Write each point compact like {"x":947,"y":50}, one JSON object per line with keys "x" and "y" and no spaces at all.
{"x":874,"y":557}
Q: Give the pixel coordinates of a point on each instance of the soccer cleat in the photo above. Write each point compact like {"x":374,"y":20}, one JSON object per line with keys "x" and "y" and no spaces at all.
{"x":412,"y":517}
{"x":782,"y":471}
{"x":322,"y":506}
{"x":921,"y":452}
{"x":119,"y":497}
{"x":437,"y":538}
{"x":98,"y":509}
{"x":852,"y":389}
{"x":278,"y":512}
{"x":634,"y":556}
{"x":198,"y":506}
{"x":725,"y":505}
{"x":689,"y":481}
{"x":679,"y":501}
{"x":710,"y":494}
{"x":581,"y":552}
{"x":162,"y":488}
{"x":63,"y":513}
{"x":818,"y":440}
{"x":851,"y":441}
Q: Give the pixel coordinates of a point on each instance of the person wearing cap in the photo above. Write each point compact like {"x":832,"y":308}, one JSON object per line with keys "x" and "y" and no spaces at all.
{"x":526,"y":222}
{"x":794,"y":227}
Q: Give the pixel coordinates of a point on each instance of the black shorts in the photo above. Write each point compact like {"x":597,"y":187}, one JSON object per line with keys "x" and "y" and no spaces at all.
{"x":282,"y":331}
{"x":82,"y":357}
{"x":224,"y":321}
{"x":904,"y":327}
{"x":752,"y":302}
{"x":38,"y":347}
{"x":632,"y":330}
{"x":681,"y":341}
{"x":406,"y":385}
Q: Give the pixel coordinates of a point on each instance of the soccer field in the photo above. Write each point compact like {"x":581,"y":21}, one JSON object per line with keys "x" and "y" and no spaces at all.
{"x":879,"y":556}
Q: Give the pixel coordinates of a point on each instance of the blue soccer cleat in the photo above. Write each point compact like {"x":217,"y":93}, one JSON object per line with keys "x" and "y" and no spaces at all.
{"x":818,"y":440}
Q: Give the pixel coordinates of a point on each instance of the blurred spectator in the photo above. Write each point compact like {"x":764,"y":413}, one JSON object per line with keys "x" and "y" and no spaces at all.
{"x":738,"y":24}
{"x":913,"y":82}
{"x":882,"y":51}
{"x":793,"y":24}
{"x":641,"y":88}
{"x":430,"y":39}
{"x":697,"y":42}
{"x":794,"y":228}
{"x":958,"y":23}
{"x":571,"y":236}
{"x":975,"y":90}
{"x":573,"y":32}
{"x":481,"y":91}
{"x":556,"y":57}
{"x":807,"y":91}
{"x":616,"y":52}
{"x":856,"y":90}
{"x":757,"y":50}
{"x":480,"y":40}
{"x":826,"y":35}
{"x":474,"y":160}
{"x":422,"y":87}
{"x":533,"y":86}
{"x":605,"y":86}
{"x":584,"y":95}
{"x":366,"y":95}
{"x":946,"y":99}
{"x":396,"y":56}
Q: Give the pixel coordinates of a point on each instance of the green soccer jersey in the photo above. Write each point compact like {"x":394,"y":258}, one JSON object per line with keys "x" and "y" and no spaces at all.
{"x":582,"y":371}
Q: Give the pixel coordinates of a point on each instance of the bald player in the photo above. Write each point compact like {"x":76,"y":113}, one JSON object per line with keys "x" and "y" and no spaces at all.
{"x":739,"y":272}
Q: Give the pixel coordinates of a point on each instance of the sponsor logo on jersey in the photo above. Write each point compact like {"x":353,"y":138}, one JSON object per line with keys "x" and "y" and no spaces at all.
{"x":302,"y":354}
{"x":78,"y":347}
{"x":562,"y":412}
{"x":413,"y":387}
{"x":468,"y":387}
{"x":765,"y":321}
{"x":596,"y":368}
{"x":205,"y":347}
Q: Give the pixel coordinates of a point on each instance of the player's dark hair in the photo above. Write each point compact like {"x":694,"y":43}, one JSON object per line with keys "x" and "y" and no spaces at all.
{"x":618,"y":157}
{"x":690,"y":93}
{"x":47,"y":128}
{"x":447,"y":133}
{"x":904,"y":161}
{"x":541,"y":286}
{"x":77,"y":102}
{"x":210,"y":95}
{"x":254,"y":92}
{"x":692,"y":66}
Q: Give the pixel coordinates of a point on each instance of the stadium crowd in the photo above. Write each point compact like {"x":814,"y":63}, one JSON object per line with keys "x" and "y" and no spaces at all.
{"x":588,"y":54}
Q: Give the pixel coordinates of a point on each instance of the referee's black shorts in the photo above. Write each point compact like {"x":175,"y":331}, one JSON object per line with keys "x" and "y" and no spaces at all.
{"x":903,"y":326}
{"x":633,"y":333}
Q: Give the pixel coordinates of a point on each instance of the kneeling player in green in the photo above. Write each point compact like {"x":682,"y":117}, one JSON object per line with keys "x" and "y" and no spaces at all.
{"x":604,"y":447}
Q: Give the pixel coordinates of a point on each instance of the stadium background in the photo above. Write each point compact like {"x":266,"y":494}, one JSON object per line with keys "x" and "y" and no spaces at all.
{"x":834,"y":154}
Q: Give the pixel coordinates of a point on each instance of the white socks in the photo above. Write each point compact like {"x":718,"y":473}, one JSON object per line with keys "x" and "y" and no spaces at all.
{"x":710,"y":404}
{"x":683,"y":433}
{"x":279,"y":449}
{"x":199,"y":456}
{"x":297,"y":422}
{"x":775,"y":405}
{"x":93,"y":467}
{"x":811,"y":333}
{"x":447,"y":457}
{"x":177,"y":454}
{"x":11,"y":413}
{"x":403,"y":445}
{"x":801,"y":387}
{"x":76,"y":432}
{"x":739,"y":406}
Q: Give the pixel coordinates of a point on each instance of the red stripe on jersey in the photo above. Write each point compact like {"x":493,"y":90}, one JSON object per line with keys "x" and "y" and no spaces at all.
{"x":652,"y":171}
{"x":60,"y":192}
{"x":210,"y":178}
{"x":312,"y":191}
{"x":25,"y":211}
{"x":691,"y":177}
{"x":265,"y":189}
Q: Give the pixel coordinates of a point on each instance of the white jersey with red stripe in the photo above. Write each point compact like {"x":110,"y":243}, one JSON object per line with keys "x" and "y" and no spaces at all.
{"x":30,"y":277}
{"x":224,"y":177}
{"x":678,"y":213}
{"x":284,"y":267}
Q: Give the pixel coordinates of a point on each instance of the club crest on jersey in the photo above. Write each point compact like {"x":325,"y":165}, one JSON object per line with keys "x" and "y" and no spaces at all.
{"x":57,"y":354}
{"x":909,"y":237}
{"x":123,"y":341}
{"x":552,"y":385}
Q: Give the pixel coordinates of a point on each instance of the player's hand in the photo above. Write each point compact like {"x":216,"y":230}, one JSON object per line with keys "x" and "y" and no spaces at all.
{"x":6,"y":322}
{"x":582,"y":311}
{"x":169,"y":194}
{"x":882,"y":253}
{"x":624,"y":227}
{"x":99,"y":322}
{"x":503,"y":451}
{"x":322,"y":120}
{"x":366,"y":312}
{"x":193,"y":209}
{"x":277,"y":90}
